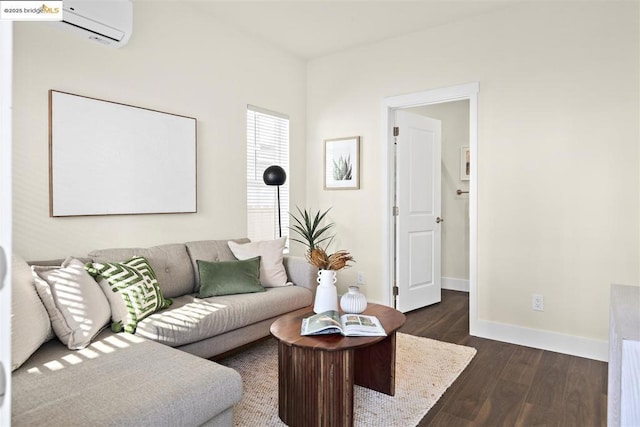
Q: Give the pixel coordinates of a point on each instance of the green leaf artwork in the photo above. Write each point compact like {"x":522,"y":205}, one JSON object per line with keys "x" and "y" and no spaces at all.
{"x":342,"y":169}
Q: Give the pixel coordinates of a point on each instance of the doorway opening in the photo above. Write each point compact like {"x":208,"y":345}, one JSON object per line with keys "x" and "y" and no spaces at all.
{"x":422,"y":100}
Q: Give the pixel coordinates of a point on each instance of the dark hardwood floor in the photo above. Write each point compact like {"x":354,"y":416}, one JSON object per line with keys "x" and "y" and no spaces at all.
{"x":507,"y":384}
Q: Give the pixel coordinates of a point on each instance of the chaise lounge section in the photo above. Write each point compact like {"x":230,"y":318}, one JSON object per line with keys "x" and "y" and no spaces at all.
{"x":143,"y":378}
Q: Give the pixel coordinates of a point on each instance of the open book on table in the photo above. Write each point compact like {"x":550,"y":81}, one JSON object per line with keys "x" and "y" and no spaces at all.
{"x":349,"y":325}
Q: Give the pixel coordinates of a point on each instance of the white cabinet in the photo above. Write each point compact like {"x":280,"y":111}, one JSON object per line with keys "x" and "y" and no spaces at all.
{"x":624,"y":357}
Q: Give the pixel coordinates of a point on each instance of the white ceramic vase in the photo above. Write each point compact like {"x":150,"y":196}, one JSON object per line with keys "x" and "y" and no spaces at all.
{"x":326,"y":292}
{"x":353,"y":301}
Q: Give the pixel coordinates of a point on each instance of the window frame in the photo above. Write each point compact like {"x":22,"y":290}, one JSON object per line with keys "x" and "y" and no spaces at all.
{"x":267,"y":144}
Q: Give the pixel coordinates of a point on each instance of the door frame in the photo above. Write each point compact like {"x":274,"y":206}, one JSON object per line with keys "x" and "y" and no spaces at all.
{"x":468,"y":91}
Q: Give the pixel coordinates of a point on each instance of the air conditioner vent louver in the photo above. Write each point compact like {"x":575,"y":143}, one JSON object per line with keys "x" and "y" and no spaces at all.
{"x":108,"y":22}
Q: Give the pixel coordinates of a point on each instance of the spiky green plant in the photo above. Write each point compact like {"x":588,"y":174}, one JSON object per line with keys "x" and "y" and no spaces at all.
{"x":309,"y":229}
{"x":342,"y":169}
{"x":312,"y":235}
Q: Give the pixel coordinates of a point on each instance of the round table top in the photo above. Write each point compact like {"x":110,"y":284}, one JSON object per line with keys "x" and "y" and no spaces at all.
{"x":287,"y":329}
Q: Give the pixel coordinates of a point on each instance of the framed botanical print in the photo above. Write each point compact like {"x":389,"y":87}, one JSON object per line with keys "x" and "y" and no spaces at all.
{"x":342,"y":163}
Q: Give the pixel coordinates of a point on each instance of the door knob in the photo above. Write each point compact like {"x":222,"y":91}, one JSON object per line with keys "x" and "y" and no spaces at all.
{"x":439,"y":220}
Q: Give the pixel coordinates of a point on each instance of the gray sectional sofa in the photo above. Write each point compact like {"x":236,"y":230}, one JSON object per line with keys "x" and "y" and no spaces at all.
{"x":151,"y":377}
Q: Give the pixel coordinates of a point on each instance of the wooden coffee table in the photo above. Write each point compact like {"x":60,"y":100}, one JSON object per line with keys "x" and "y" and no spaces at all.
{"x":316,"y":374}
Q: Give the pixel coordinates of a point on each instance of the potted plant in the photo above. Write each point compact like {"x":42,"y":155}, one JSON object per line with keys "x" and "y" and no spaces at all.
{"x":314,"y":235}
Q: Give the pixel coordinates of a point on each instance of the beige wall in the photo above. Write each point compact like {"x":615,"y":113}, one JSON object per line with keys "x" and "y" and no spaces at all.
{"x":178,"y":63}
{"x":454,"y":118}
{"x":558,"y":141}
{"x":557,"y":160}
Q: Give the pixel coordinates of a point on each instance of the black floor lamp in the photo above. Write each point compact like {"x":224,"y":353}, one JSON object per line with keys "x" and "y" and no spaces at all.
{"x":275,"y":175}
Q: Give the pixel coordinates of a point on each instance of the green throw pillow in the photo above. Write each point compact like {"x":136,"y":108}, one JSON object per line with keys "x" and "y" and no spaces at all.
{"x":229,"y":277}
{"x":132,"y":290}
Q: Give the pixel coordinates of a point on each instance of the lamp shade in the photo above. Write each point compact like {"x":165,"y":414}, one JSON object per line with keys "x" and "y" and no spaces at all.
{"x":274,"y":175}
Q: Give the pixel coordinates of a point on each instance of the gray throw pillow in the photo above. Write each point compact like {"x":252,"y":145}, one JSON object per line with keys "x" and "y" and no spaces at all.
{"x":229,"y":277}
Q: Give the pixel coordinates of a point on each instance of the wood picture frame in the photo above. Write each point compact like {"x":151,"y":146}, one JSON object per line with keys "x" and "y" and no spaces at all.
{"x":342,"y":163}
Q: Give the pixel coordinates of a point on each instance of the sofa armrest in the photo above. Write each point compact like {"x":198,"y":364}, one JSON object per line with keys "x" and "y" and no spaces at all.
{"x":301,"y":273}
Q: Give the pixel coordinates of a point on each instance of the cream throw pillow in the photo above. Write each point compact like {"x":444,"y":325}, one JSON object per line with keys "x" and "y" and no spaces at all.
{"x":30,"y":325}
{"x":272,"y":272}
{"x":77,"y":307}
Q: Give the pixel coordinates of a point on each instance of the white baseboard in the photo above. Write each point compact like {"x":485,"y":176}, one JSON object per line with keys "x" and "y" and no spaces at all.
{"x":545,"y":340}
{"x":537,"y":338}
{"x":454,"y":284}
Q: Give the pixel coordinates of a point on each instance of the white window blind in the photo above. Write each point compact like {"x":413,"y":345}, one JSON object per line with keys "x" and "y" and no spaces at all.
{"x":267,"y":145}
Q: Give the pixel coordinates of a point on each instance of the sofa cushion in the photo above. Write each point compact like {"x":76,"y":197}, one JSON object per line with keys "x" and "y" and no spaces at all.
{"x":122,"y":380}
{"x":30,"y":324}
{"x":271,"y":253}
{"x":209,"y":250}
{"x":171,"y":263}
{"x":229,"y":277}
{"x":300,"y":272}
{"x":192,"y":319}
{"x":77,"y":307}
{"x":132,"y":290}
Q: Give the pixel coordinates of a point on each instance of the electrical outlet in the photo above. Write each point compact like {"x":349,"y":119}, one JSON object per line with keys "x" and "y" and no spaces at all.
{"x":360,"y":278}
{"x":537,"y":302}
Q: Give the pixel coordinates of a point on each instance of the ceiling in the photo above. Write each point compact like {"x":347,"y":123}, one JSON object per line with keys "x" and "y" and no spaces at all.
{"x":311,"y":29}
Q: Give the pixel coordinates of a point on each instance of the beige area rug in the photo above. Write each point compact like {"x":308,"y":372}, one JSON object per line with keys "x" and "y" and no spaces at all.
{"x":425,"y":368}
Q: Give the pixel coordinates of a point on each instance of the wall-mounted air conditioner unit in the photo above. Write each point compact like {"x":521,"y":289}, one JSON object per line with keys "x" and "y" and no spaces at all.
{"x":109,"y":22}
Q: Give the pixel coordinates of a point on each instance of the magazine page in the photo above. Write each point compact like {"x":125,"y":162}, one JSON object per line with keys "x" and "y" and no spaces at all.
{"x":327,"y":322}
{"x":362,"y":325}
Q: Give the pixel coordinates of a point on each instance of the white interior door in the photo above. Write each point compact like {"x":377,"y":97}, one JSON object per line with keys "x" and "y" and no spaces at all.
{"x":6,"y":65}
{"x":418,"y":219}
